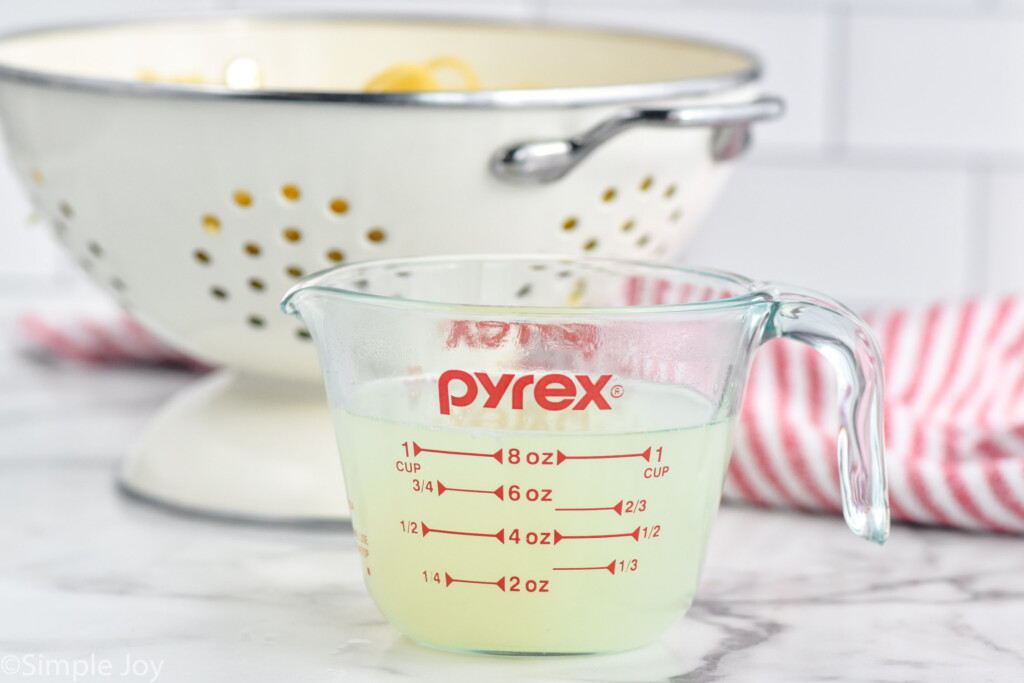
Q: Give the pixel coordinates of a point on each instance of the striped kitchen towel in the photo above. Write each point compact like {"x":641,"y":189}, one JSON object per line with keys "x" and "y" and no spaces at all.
{"x":954,"y":411}
{"x":104,"y":335}
{"x":954,"y":419}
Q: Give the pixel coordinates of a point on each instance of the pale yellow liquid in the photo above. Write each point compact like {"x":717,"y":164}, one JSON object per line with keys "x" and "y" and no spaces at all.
{"x":645,"y":579}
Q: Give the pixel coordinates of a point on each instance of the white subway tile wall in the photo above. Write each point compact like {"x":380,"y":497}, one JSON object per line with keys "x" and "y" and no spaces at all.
{"x":937,"y":84}
{"x":897,"y":175}
{"x":1005,"y":256}
{"x":858,"y":232}
{"x":794,"y":46}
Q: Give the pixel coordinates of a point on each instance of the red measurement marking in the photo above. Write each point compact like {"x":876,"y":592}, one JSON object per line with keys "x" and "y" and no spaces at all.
{"x":617,"y":508}
{"x":635,"y":534}
{"x":562,"y":457}
{"x":427,"y":530}
{"x":499,"y":492}
{"x":610,"y":568}
{"x":417,"y":449}
{"x":500,"y":583}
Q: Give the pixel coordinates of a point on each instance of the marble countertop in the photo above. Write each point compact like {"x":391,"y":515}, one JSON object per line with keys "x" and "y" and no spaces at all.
{"x":97,"y":587}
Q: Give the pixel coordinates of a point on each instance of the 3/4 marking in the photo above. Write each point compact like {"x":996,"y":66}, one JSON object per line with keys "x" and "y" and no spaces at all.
{"x":516,"y":492}
{"x":498,"y":492}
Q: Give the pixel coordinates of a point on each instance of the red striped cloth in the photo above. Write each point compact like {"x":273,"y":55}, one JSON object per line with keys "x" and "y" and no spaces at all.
{"x":954,"y":411}
{"x":101,"y":338}
{"x":954,"y":414}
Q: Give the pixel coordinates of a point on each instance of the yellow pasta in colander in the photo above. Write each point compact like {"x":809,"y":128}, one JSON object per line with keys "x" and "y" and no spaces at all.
{"x":404,"y":77}
{"x":417,"y":77}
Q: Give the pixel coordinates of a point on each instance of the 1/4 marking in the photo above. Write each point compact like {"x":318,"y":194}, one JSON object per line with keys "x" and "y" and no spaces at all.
{"x":516,"y":584}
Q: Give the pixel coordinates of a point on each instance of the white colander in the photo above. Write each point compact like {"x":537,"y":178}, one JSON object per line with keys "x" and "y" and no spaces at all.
{"x":198,"y":205}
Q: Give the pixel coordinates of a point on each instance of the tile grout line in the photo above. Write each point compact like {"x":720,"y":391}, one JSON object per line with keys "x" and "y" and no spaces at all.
{"x":837,"y":90}
{"x":540,"y":11}
{"x":977,"y":235}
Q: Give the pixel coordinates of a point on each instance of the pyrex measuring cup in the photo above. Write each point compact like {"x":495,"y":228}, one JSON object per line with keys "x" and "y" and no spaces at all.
{"x":534,"y":447}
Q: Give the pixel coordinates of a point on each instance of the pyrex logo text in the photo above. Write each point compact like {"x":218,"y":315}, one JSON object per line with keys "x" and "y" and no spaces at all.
{"x":554,"y":391}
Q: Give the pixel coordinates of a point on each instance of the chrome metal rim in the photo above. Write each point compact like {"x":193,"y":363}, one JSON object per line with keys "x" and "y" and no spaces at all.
{"x":487,"y":99}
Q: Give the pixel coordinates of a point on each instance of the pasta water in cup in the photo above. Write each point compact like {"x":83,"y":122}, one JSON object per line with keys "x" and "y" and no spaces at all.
{"x":534,"y":448}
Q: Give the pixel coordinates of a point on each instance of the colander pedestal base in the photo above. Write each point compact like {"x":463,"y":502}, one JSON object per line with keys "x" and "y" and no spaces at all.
{"x":244,"y":448}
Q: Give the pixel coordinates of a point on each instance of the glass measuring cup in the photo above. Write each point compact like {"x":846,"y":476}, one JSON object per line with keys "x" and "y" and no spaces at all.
{"x":534,"y":448}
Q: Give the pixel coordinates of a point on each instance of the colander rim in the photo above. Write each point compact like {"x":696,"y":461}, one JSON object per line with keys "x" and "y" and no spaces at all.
{"x":751,"y":291}
{"x":626,"y":93}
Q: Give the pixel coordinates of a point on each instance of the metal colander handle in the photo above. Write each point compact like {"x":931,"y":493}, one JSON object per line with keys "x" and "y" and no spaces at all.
{"x":545,"y":161}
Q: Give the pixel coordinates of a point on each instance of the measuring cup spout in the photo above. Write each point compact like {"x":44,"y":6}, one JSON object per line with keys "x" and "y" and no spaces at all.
{"x":849,"y":345}
{"x":291,"y":300}
{"x":306,"y":301}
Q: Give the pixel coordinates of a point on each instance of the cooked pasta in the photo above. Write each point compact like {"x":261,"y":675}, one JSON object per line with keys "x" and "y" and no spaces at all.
{"x":433,"y":75}
{"x":417,"y":77}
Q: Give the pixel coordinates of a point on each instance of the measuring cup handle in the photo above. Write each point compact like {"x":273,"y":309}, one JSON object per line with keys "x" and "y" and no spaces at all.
{"x":849,"y":345}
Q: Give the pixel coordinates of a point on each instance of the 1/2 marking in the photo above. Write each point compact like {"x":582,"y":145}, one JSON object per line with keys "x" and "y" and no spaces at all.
{"x":634,"y":534}
{"x":500,"y":535}
{"x":530,"y":537}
